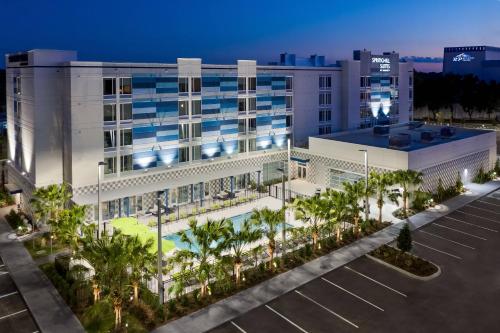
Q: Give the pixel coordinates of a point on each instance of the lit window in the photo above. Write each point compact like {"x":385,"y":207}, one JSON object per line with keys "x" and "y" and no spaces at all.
{"x":125,"y":86}
{"x":183,"y":108}
{"x":108,"y":86}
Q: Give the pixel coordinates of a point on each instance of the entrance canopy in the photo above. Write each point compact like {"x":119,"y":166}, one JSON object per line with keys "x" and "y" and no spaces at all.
{"x":13,"y":189}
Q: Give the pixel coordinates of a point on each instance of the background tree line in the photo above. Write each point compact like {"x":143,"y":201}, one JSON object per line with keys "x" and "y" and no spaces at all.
{"x":437,"y":92}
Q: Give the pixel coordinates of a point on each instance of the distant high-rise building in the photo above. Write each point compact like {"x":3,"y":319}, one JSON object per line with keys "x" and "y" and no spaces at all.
{"x":481,"y":61}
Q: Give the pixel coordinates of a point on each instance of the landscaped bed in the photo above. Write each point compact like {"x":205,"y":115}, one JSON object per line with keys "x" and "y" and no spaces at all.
{"x":130,"y":226}
{"x":405,"y":261}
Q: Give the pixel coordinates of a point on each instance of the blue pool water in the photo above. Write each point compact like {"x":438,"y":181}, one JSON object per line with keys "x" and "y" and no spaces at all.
{"x":237,"y":223}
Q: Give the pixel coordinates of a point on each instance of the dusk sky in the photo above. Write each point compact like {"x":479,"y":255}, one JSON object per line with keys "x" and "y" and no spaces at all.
{"x":223,"y":31}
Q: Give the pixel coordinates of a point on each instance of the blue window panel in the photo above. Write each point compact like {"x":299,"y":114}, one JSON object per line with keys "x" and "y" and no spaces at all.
{"x":139,"y":82}
{"x":143,"y":104}
{"x":278,"y":102}
{"x":167,"y":90}
{"x":167,"y":138}
{"x":138,"y":116}
{"x":167,"y":85}
{"x":167,"y":109}
{"x":210,"y":126}
{"x":263,"y":120}
{"x":142,"y":134}
{"x":229,"y":126}
{"x":229,"y":147}
{"x":146,"y":141}
{"x":210,"y":111}
{"x":263,"y":80}
{"x":279,"y":140}
{"x":278,"y":83}
{"x":229,"y":105}
{"x":264,"y":142}
{"x":210,"y":150}
{"x":167,"y":156}
{"x":169,"y":127}
{"x":229,"y":83}
{"x":210,"y":81}
{"x":227,"y":131}
{"x":210,"y":101}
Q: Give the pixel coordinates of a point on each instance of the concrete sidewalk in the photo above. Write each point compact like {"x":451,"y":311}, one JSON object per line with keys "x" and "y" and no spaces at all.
{"x":246,"y":300}
{"x":44,"y":302}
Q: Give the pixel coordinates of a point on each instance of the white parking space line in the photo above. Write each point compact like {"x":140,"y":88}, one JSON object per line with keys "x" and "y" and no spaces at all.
{"x":480,"y":208}
{"x":13,"y":314}
{"x":456,"y":230}
{"x":440,"y":251}
{"x":3,"y":273}
{"x":327,"y":309}
{"x":239,"y":328}
{"x":9,"y":294}
{"x":479,"y":216}
{"x":471,"y":224}
{"x":353,"y":294}
{"x":447,"y":239}
{"x":373,"y":280}
{"x":489,"y":203}
{"x":288,"y":320}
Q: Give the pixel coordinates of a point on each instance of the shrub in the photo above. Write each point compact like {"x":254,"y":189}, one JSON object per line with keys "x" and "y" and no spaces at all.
{"x":421,"y":200}
{"x":99,"y":317}
{"x":497,"y":167}
{"x":404,"y":239}
{"x":482,"y":176}
{"x":143,"y":313}
{"x":61,"y":265}
{"x":459,"y":185}
{"x":14,"y":219}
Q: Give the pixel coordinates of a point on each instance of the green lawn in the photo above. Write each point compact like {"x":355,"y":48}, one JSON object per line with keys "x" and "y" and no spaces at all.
{"x":130,"y":226}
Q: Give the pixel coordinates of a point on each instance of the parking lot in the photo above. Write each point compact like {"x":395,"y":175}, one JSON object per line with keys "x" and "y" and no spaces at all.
{"x":364,"y":296}
{"x":14,"y":315}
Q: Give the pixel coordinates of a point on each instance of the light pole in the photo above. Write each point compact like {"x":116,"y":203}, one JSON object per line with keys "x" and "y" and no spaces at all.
{"x":367,"y":212}
{"x":289,"y":177}
{"x":100,"y":167}
{"x":283,"y":204}
{"x":160,"y":253}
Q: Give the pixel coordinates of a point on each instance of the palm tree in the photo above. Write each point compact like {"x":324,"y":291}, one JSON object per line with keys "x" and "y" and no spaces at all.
{"x":110,"y":259}
{"x":238,"y":240}
{"x":354,"y":193}
{"x":49,"y":201}
{"x":311,"y":211}
{"x":380,"y":183}
{"x":70,"y":220}
{"x":206,"y":242}
{"x":271,"y":221}
{"x":337,"y":207}
{"x":142,"y":262}
{"x":407,"y":179}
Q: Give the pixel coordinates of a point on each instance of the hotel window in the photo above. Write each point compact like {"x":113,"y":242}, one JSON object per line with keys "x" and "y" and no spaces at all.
{"x":289,"y":102}
{"x":125,"y":86}
{"x":17,"y":109}
{"x":126,"y":163}
{"x":108,"y":86}
{"x":252,"y":84}
{"x":242,"y":84}
{"x":109,"y":138}
{"x":17,"y":85}
{"x":109,"y":112}
{"x":109,"y":165}
{"x":242,"y":146}
{"x":325,"y":82}
{"x":410,"y":94}
{"x":183,"y":193}
{"x":325,"y":130}
{"x":183,"y":131}
{"x":289,"y":83}
{"x":126,"y":137}
{"x":252,"y":144}
{"x":183,"y":85}
{"x":242,"y":104}
{"x":183,"y":108}
{"x":242,"y":128}
{"x":325,"y":98}
{"x":195,"y":107}
{"x":196,"y":130}
{"x":410,"y":81}
{"x":195,"y":84}
{"x":252,"y":104}
{"x":196,"y":153}
{"x":252,"y":125}
{"x":126,"y":112}
{"x":325,"y":115}
{"x":183,"y":154}
{"x":289,"y":121}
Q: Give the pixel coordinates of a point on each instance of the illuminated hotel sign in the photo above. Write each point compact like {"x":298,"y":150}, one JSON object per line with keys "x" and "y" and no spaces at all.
{"x":384,"y":63}
{"x":463,"y":57}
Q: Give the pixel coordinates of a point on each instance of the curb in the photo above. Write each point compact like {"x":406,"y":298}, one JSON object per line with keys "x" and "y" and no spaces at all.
{"x":404,"y":272}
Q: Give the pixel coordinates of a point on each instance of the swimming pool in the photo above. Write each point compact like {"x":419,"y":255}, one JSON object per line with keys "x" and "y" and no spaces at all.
{"x":237,"y":223}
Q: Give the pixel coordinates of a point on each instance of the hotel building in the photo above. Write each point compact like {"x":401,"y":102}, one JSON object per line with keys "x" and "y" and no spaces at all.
{"x":186,"y":129}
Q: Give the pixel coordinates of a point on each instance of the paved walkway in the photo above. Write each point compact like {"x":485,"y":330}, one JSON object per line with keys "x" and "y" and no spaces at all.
{"x":246,"y":300}
{"x":46,"y":305}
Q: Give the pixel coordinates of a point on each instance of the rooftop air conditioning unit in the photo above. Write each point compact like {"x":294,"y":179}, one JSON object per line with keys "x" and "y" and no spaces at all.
{"x":400,"y":141}
{"x":427,"y":136}
{"x":381,"y":130}
{"x":447,"y":132}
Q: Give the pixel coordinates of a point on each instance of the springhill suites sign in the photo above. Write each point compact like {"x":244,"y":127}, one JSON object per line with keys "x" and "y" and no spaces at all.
{"x":384,"y":63}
